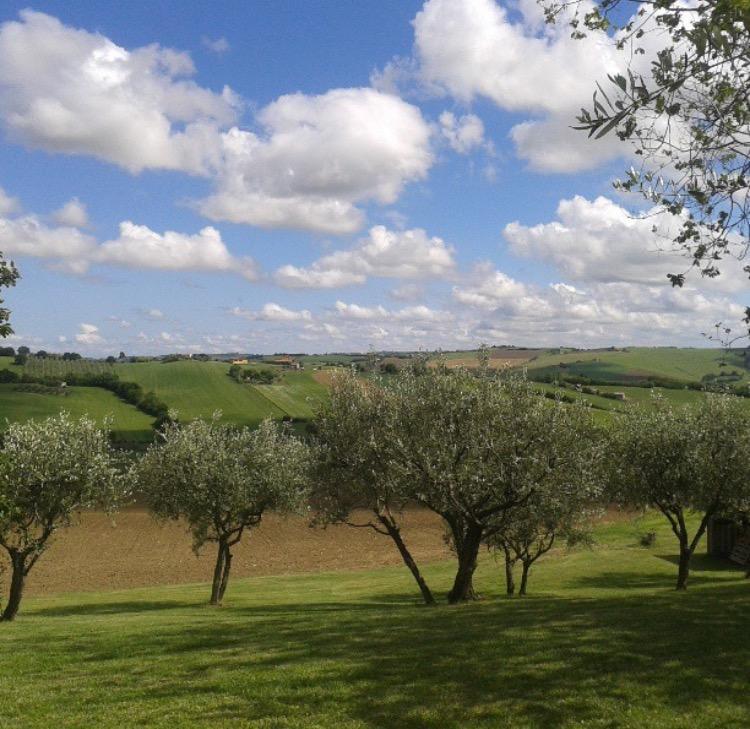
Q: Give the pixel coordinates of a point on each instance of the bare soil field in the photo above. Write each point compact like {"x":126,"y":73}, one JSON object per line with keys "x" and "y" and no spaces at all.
{"x":134,"y":550}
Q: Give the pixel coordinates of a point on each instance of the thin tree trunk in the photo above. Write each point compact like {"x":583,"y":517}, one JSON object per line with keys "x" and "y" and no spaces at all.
{"x":218,"y":572}
{"x":510,"y":580}
{"x":18,"y":574}
{"x":225,"y":575}
{"x":395,"y":534}
{"x":467,"y":548}
{"x":684,"y":569}
{"x":524,"y":577}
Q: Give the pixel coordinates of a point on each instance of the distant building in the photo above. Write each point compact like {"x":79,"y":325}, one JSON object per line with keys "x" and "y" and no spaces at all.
{"x":287,"y":362}
{"x":239,"y":362}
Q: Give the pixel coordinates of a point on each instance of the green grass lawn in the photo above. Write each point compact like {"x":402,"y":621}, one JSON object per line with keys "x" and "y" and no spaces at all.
{"x":602,"y":641}
{"x":128,"y":423}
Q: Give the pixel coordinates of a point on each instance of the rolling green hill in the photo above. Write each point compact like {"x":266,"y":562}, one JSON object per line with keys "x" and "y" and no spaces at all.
{"x":641,"y":362}
{"x":197,"y":389}
{"x":128,"y":423}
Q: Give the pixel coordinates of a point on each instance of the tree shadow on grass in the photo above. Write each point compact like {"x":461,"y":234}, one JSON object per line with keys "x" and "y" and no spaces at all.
{"x":541,"y":661}
{"x":705,"y":563}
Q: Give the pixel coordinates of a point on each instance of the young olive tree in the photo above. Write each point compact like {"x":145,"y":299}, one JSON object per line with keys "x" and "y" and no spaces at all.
{"x":683,"y":460}
{"x":221,"y":481}
{"x":473,"y":447}
{"x":50,"y":470}
{"x":354,"y":435}
{"x":554,"y":512}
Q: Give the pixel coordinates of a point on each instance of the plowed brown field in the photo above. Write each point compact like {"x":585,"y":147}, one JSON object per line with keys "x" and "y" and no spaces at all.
{"x":136,"y":551}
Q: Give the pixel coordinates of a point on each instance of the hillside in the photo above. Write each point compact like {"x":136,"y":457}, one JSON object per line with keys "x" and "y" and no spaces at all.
{"x":197,"y":389}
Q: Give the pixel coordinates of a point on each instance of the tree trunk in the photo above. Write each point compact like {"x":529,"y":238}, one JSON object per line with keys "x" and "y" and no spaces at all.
{"x":225,"y":575}
{"x":18,"y":573}
{"x":218,"y":573}
{"x":510,"y":581}
{"x":684,"y":568}
{"x":467,"y":548}
{"x":524,"y":577}
{"x":395,"y":534}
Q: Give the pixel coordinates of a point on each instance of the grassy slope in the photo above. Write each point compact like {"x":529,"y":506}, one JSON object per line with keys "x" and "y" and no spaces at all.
{"x":684,"y":364}
{"x":128,"y":422}
{"x":602,"y":642}
{"x":197,"y":389}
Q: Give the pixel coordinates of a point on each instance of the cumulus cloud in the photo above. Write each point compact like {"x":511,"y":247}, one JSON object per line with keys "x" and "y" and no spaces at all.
{"x":464,"y":133}
{"x":88,"y":334}
{"x":405,"y":254}
{"x":140,"y":247}
{"x":69,"y":249}
{"x":67,"y":90}
{"x":316,"y":157}
{"x":8,"y":204}
{"x":73,"y":214}
{"x":600,"y":241}
{"x":597,"y":314}
{"x":471,"y":49}
{"x":272,"y":312}
{"x":28,"y":236}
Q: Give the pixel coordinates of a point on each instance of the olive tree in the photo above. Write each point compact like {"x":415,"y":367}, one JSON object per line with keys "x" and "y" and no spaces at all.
{"x":222,"y":481}
{"x":557,"y":511}
{"x":354,"y":436}
{"x":683,"y":460}
{"x":50,"y":470}
{"x":8,"y":277}
{"x":473,"y":447}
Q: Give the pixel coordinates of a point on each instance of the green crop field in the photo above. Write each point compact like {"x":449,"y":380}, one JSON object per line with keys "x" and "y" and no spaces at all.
{"x":635,"y":362}
{"x":197,"y":389}
{"x":602,"y":642}
{"x":128,"y":423}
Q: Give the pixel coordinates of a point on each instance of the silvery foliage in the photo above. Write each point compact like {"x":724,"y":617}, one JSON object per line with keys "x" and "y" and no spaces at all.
{"x":221,"y":479}
{"x":683,"y":457}
{"x":474,"y":447}
{"x":49,"y":470}
{"x":354,"y":434}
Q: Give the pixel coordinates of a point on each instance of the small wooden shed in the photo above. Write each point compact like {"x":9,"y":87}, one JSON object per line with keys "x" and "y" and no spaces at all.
{"x":729,"y":539}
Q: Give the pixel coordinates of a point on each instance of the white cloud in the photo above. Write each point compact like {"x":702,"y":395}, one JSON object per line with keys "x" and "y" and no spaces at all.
{"x":464,"y":133}
{"x":472,"y":49}
{"x":73,"y":214}
{"x":216,"y":45}
{"x":28,"y":236}
{"x":71,"y":91}
{"x":600,"y":241}
{"x":272,"y":312}
{"x":317,"y":157}
{"x":8,"y":204}
{"x":406,"y":254}
{"x":154,"y":314}
{"x":140,"y":247}
{"x":89,"y":334}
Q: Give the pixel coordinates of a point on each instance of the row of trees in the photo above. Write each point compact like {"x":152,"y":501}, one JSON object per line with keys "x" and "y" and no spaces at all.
{"x":503,"y":467}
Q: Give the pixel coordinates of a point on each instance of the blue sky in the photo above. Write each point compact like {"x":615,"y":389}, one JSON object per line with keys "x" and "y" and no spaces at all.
{"x":263,"y":176}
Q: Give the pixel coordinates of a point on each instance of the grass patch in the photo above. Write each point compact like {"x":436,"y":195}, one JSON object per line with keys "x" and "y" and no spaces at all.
{"x":603,"y":641}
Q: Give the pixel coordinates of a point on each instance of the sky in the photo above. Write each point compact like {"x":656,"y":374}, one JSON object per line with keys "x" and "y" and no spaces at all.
{"x":265,"y":176}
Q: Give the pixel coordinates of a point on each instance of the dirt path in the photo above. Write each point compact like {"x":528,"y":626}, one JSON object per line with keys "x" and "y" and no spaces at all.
{"x":136,"y":551}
